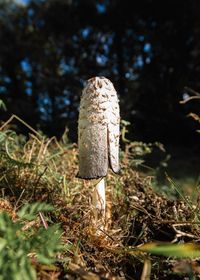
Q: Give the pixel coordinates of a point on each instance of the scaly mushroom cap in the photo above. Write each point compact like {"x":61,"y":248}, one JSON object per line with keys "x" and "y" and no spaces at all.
{"x":98,"y":129}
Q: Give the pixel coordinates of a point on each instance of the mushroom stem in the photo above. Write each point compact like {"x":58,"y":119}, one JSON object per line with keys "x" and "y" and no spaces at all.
{"x":99,"y":202}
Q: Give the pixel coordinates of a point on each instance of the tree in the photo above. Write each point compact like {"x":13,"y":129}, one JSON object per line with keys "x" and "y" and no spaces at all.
{"x":149,"y":49}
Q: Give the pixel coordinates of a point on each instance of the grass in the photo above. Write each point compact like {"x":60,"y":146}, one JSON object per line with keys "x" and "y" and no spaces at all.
{"x":36,"y":169}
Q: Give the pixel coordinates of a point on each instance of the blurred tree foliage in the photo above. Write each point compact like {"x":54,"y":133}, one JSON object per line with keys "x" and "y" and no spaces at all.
{"x":149,"y":49}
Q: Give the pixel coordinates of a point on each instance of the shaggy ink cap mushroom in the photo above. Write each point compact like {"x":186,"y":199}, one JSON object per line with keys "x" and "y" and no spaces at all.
{"x":98,"y":129}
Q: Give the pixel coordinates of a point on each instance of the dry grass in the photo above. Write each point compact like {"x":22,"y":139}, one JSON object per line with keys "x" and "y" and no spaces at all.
{"x":42,"y":169}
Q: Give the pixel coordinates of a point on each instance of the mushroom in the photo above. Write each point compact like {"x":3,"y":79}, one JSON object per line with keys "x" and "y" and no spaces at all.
{"x":98,"y":137}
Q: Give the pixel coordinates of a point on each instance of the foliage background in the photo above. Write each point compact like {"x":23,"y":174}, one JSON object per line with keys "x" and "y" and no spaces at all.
{"x":148,"y":48}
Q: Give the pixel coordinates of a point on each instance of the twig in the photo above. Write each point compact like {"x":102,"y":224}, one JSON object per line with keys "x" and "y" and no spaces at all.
{"x":188,"y":99}
{"x":21,"y":194}
{"x":21,"y":121}
{"x":146,"y":272}
{"x":108,"y":235}
{"x":186,"y":223}
{"x":196,"y":95}
{"x":43,"y":220}
{"x":192,"y":91}
{"x":180,"y":233}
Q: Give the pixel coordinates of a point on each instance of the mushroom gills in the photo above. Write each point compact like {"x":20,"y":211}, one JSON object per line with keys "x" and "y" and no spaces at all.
{"x":93,"y":152}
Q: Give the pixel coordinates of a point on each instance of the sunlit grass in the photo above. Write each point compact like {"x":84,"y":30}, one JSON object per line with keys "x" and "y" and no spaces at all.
{"x":38,"y":169}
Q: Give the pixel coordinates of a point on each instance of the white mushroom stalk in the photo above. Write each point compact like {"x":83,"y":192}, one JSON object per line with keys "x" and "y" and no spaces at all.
{"x":98,"y":137}
{"x":99,"y":202}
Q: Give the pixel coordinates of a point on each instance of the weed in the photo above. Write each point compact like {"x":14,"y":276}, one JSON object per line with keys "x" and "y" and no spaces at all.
{"x":23,"y":241}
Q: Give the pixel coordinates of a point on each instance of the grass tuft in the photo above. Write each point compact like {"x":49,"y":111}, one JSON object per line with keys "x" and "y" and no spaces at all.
{"x":43,"y":201}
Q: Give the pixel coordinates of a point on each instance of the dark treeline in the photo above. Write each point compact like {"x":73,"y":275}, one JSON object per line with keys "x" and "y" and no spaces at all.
{"x":149,"y":49}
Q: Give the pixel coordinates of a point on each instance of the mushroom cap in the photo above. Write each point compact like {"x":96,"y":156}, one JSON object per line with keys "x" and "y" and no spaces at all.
{"x":98,"y":129}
